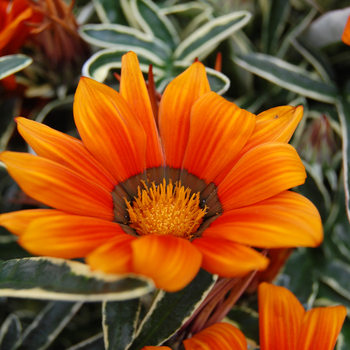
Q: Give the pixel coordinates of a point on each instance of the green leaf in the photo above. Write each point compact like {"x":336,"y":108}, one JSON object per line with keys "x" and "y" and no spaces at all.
{"x":47,"y":325}
{"x":275,"y":15}
{"x":59,"y":279}
{"x":99,"y":64}
{"x":344,"y":337}
{"x":336,"y":274}
{"x":343,"y":107}
{"x":125,"y":38}
{"x":153,"y":22}
{"x":170,"y":311}
{"x":301,"y":280}
{"x":13,"y":63}
{"x":119,"y":323}
{"x":10,"y":332}
{"x":93,"y":343}
{"x":288,"y":76}
{"x":205,"y":39}
{"x":247,"y":320}
{"x":109,"y":11}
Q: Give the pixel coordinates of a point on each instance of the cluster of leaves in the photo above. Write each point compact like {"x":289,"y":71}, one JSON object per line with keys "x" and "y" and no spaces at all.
{"x":274,"y":52}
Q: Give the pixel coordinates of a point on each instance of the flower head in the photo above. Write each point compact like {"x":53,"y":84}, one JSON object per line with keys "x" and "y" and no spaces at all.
{"x":202,"y":188}
{"x":285,"y":325}
{"x":14,"y":29}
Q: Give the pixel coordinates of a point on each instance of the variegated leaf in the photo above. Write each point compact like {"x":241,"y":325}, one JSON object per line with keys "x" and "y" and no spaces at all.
{"x":13,"y":63}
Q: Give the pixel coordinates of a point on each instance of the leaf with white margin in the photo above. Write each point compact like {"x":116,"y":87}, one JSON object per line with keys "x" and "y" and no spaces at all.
{"x":170,"y":311}
{"x":13,"y":63}
{"x":288,"y":76}
{"x":109,"y":11}
{"x":60,"y":279}
{"x":93,"y":343}
{"x":153,"y":22}
{"x":343,"y":107}
{"x":110,"y":35}
{"x":10,"y":332}
{"x":99,"y":64}
{"x":47,"y":325}
{"x":119,"y":323}
{"x":206,"y":38}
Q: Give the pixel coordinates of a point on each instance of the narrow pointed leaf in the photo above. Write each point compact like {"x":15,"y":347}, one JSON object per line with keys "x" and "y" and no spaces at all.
{"x":10,"y":332}
{"x":206,"y":38}
{"x":99,"y":64}
{"x":288,"y":76}
{"x":119,"y":323}
{"x":59,"y":279}
{"x":13,"y":63}
{"x":93,"y":343}
{"x":343,"y":108}
{"x":47,"y":325}
{"x":170,"y":311}
{"x":123,"y":37}
{"x":109,"y":11}
{"x":153,"y":22}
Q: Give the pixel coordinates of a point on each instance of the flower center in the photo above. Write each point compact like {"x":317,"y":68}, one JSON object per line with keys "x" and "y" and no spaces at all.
{"x":166,"y":210}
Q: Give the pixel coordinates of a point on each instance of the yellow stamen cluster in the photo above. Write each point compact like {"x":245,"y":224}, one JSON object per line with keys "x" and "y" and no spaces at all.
{"x":166,"y":210}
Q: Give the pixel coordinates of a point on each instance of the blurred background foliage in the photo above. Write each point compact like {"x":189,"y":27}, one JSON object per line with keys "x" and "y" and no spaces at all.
{"x":266,"y":53}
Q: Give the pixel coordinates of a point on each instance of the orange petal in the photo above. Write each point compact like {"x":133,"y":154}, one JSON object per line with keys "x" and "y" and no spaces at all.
{"x":220,"y":336}
{"x":115,"y":256}
{"x":18,"y":221}
{"x":280,"y":318}
{"x":7,"y":34}
{"x":58,"y":186}
{"x":64,"y":149}
{"x":175,"y":109}
{"x":133,"y":89}
{"x":285,"y":220}
{"x":229,"y":259}
{"x":170,"y":261}
{"x":67,"y":236}
{"x":346,"y":33}
{"x":261,"y":173}
{"x":218,"y":131}
{"x":320,"y":328}
{"x":109,"y":129}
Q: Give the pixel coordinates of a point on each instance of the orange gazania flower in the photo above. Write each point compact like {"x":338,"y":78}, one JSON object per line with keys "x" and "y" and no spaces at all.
{"x":220,"y":336}
{"x":198,"y":191}
{"x":14,"y":31}
{"x":346,"y":34}
{"x":285,"y":325}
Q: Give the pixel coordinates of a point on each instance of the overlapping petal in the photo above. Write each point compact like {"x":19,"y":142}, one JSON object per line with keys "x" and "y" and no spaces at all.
{"x":57,"y":186}
{"x":263,"y":172}
{"x":321,"y":327}
{"x":175,"y":109}
{"x":170,"y":261}
{"x":115,"y":256}
{"x":228,"y":258}
{"x":65,"y":150}
{"x":280,"y":318}
{"x":18,"y":221}
{"x":133,"y":89}
{"x":218,"y":131}
{"x":67,"y":236}
{"x":110,"y":129}
{"x":220,"y":336}
{"x":285,"y":220}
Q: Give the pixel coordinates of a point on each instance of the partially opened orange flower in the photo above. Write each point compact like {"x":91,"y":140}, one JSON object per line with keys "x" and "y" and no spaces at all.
{"x":200,"y":191}
{"x":14,"y":16}
{"x":346,"y":33}
{"x":285,"y":325}
{"x":220,"y":336}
